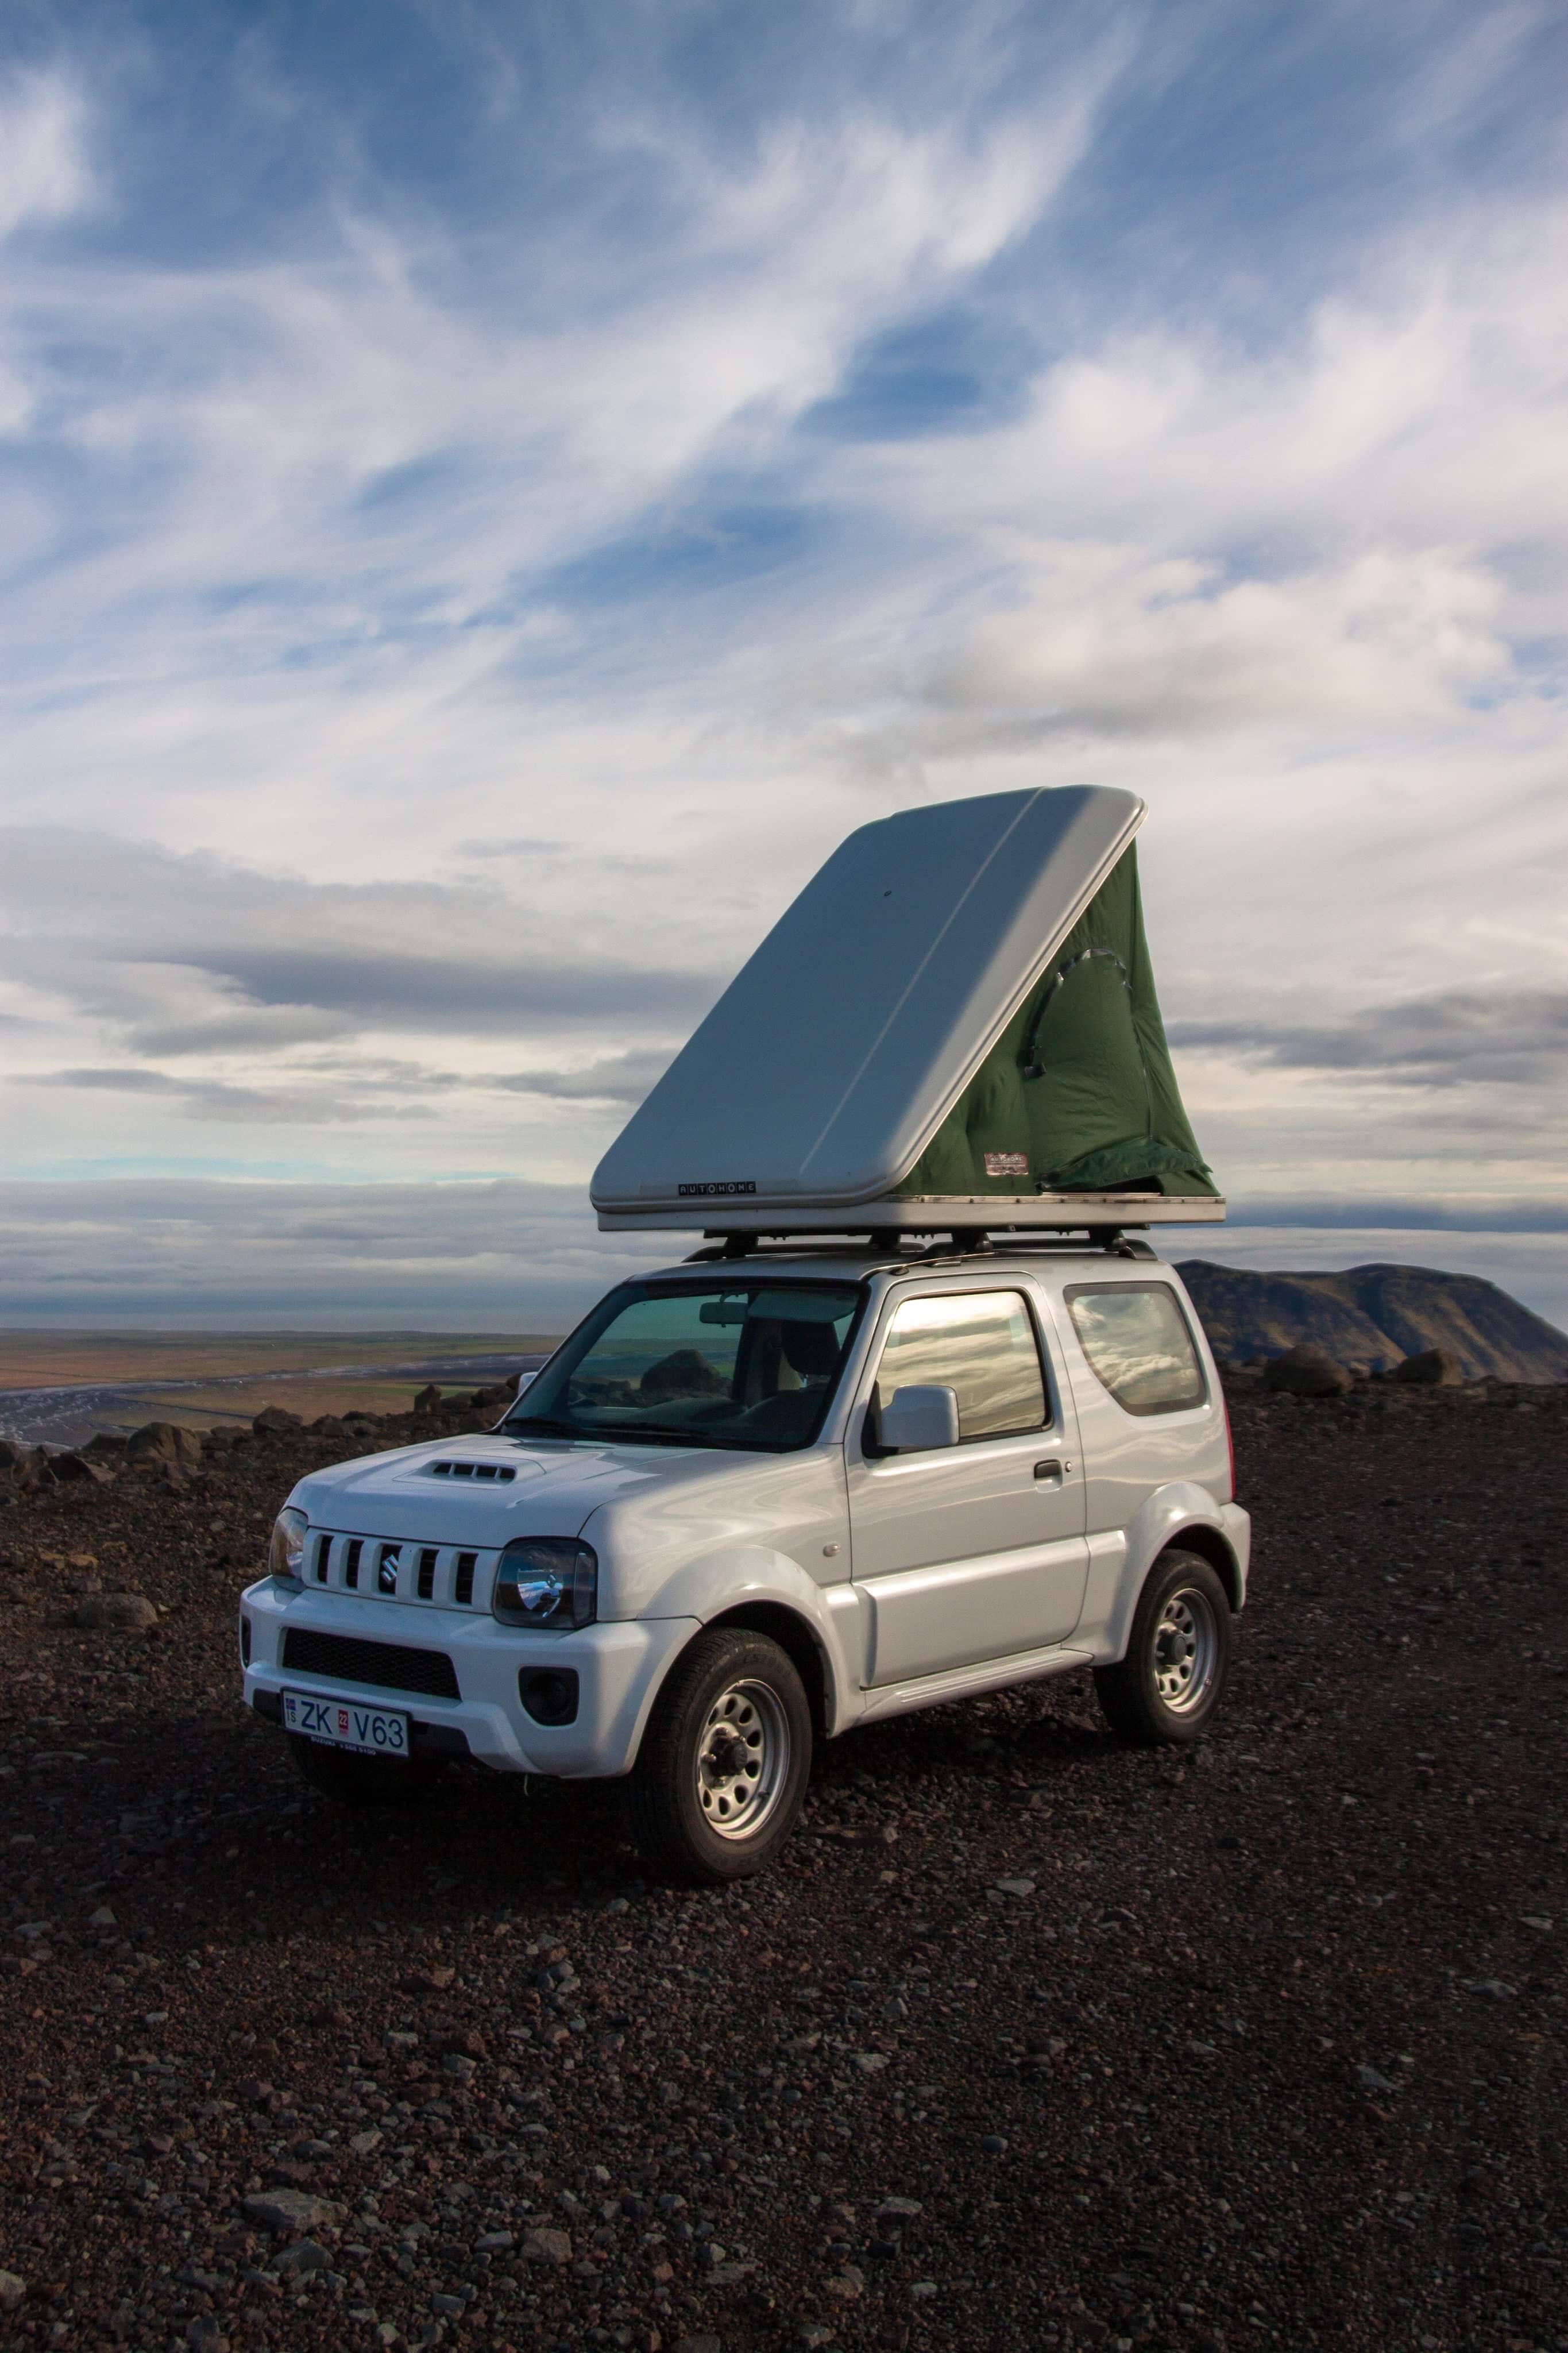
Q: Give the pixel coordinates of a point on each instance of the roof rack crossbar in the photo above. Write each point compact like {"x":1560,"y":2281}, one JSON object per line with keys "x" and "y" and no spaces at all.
{"x":962,"y":1241}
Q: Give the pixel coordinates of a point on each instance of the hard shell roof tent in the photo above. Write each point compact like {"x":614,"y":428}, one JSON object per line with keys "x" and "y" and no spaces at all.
{"x":954,"y":1026}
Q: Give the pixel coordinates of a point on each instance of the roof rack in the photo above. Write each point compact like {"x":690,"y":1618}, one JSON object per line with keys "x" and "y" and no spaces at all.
{"x":963,"y":1242}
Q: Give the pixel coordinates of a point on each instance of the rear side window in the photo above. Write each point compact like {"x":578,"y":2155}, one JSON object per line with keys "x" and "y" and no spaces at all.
{"x":979,"y":1344}
{"x":1137,"y":1342}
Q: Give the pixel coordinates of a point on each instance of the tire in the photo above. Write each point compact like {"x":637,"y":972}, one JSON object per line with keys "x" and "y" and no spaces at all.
{"x":724,"y":1762}
{"x":358,"y":1780}
{"x":1167,"y":1687}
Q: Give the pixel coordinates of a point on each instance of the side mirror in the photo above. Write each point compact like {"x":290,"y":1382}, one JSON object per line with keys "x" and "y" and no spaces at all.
{"x":525,"y":1380}
{"x":917,"y":1420}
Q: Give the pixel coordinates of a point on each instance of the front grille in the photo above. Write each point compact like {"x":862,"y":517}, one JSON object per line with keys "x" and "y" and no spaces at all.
{"x":392,"y":1571}
{"x":388,"y":1665}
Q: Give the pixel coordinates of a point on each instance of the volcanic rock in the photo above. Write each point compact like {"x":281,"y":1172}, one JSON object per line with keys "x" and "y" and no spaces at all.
{"x":1434,"y":1368}
{"x":162,"y":1442}
{"x":116,"y":1613}
{"x":1308,"y":1371}
{"x":275,"y":1420}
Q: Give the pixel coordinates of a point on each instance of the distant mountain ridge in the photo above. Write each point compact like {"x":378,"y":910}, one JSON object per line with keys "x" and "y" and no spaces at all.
{"x":1372,"y":1317}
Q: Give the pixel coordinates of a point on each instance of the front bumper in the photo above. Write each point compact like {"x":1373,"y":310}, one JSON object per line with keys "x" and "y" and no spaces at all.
{"x":619,"y":1668}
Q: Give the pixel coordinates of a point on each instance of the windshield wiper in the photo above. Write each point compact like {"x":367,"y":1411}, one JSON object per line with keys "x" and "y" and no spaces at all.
{"x":545,"y":1424}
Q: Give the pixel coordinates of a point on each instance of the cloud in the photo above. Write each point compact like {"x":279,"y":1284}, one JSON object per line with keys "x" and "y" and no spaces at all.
{"x":333,"y":1090}
{"x":507,"y":1254}
{"x":1507,"y":1038}
{"x":612,"y":1078}
{"x":266,"y":1029}
{"x":44,"y":170}
{"x":259,"y":961}
{"x":1106,"y":638}
{"x":324,"y":1104}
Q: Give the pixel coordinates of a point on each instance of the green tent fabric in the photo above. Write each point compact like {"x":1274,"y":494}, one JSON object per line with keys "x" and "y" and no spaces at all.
{"x":1078,"y":1095}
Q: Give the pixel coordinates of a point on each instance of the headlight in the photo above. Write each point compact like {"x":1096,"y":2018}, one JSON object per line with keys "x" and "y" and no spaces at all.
{"x":546,"y":1581}
{"x":286,"y":1553}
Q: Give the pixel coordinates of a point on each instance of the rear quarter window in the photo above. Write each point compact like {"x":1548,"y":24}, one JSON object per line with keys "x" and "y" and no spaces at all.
{"x":1138,"y":1344}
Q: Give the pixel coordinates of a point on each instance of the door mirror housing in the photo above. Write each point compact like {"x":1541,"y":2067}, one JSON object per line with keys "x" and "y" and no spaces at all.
{"x":525,"y":1380}
{"x":917,"y":1420}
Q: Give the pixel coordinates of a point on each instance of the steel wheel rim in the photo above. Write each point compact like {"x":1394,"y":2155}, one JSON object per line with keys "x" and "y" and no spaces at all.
{"x":742,"y":1758}
{"x":1186,"y":1650}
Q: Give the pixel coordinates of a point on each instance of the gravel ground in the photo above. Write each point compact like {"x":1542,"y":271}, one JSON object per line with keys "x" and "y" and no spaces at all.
{"x":1029,"y":2042}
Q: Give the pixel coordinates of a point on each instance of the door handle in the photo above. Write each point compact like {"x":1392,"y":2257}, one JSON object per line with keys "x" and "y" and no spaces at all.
{"x":1055,"y":1468}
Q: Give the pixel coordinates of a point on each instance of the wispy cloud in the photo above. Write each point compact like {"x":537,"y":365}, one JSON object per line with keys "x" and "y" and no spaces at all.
{"x":1509,"y":1038}
{"x":45,"y":174}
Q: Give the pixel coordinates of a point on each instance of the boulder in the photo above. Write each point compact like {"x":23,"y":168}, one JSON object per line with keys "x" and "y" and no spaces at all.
{"x":12,"y":2290}
{"x":1434,"y":1368}
{"x":1308,"y":1371}
{"x":162,"y":1442}
{"x":79,"y":1470}
{"x":107,"y":1445}
{"x":13,"y":1458}
{"x":492,"y":1399}
{"x":116,"y":1613}
{"x":428,"y":1400}
{"x":275,"y":1420}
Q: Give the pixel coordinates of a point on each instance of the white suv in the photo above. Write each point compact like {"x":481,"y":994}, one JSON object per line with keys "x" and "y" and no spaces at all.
{"x":758,"y":1499}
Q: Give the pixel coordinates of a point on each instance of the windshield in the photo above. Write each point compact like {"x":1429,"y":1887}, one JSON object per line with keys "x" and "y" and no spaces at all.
{"x":712,"y":1362}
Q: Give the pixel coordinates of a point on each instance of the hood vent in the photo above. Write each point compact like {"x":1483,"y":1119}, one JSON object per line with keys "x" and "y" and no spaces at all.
{"x":472,"y":1470}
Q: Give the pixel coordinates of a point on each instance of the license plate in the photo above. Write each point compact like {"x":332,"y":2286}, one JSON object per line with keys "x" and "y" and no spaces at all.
{"x":375,"y":1731}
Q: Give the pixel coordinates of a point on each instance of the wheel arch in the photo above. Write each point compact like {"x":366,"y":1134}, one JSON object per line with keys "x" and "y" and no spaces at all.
{"x":799,"y":1642}
{"x":1209,"y":1545}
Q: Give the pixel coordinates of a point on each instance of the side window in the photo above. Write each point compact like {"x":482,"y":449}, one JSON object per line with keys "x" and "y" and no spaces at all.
{"x":1137,"y":1342}
{"x":981,"y":1344}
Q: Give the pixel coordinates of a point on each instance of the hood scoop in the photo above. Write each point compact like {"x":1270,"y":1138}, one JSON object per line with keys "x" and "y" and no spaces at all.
{"x":502,"y":1471}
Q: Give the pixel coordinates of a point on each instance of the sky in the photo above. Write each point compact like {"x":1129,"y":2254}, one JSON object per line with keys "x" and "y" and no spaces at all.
{"x":491,"y":494}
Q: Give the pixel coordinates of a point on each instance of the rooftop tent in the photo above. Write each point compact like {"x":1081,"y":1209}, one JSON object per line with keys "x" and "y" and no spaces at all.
{"x":954,"y":1023}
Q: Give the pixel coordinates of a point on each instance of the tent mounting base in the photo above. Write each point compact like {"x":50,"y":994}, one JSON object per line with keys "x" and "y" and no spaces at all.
{"x":886,"y":1222}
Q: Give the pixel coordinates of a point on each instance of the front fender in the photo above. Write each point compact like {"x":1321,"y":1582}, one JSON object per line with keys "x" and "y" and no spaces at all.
{"x":729,"y":1578}
{"x":1121,"y":1559}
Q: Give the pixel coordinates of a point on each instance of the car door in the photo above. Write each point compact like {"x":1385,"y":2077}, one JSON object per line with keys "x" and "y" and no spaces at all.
{"x":976,"y":1551}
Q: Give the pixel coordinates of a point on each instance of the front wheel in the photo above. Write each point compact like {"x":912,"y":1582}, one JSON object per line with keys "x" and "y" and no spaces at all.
{"x":1168,"y":1685}
{"x":724,"y":1761}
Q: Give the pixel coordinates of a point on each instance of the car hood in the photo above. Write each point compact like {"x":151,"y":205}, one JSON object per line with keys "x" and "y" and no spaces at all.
{"x":485,"y":1491}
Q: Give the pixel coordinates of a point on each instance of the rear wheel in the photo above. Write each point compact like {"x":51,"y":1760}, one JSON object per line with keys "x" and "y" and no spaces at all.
{"x":358,"y":1780}
{"x":724,"y":1761}
{"x":1169,"y":1684}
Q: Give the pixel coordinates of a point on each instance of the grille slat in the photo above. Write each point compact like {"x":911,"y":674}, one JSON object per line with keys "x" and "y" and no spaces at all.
{"x":388,"y":1666}
{"x":351,"y":1562}
{"x":463,"y":1587}
{"x":323,"y":1558}
{"x":427,"y":1573}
